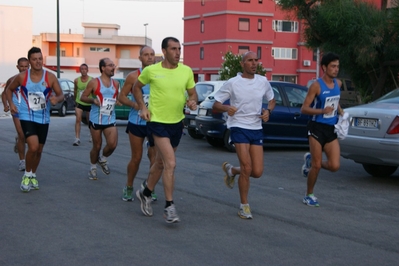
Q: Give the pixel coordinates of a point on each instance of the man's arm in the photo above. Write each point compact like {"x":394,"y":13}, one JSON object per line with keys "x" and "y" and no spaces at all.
{"x":4,"y":95}
{"x":15,"y":83}
{"x":192,"y":99}
{"x":75,"y":90}
{"x":313,"y":91}
{"x":138,"y":96}
{"x":55,"y":85}
{"x":90,"y":88}
{"x":127,"y":88}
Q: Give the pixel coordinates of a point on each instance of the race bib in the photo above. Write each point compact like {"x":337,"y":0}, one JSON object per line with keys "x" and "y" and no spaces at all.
{"x":107,"y":106}
{"x":333,"y":102}
{"x":146,"y":99}
{"x":37,"y":101}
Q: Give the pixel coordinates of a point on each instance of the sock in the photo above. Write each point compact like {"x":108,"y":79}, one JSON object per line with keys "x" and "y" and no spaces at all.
{"x":34,"y":175}
{"x":147,"y":192}
{"x":103,"y":158}
{"x":242,"y":205}
{"x":21,"y":161}
{"x":230,"y":172}
{"x":168,"y":203}
{"x":29,"y":174}
{"x":93,"y":166}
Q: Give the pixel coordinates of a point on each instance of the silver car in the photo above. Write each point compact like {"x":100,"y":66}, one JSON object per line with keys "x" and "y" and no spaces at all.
{"x":373,"y":137}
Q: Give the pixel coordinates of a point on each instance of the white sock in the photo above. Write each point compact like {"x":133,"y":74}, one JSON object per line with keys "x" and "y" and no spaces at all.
{"x":93,"y":166}
{"x":34,"y":175}
{"x":103,"y":158}
{"x":242,"y":205}
{"x":29,"y":174}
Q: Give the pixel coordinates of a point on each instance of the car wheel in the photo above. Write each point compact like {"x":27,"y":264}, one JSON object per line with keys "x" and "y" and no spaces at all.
{"x":215,"y":142}
{"x":227,"y":142}
{"x":63,"y":110}
{"x":379,"y":170}
{"x":194,"y":134}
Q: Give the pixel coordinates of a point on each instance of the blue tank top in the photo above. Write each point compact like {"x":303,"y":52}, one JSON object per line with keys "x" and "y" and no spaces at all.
{"x":34,"y":105}
{"x":104,"y":114}
{"x":327,"y":97}
{"x":134,"y":117}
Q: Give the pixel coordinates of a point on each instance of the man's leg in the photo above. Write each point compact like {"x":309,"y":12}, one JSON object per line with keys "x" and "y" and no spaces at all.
{"x":78,"y":121}
{"x":97,"y":142}
{"x":332,"y":151}
{"x":21,"y":139}
{"x":30,"y":158}
{"x":316,"y":152}
{"x":111,"y":137}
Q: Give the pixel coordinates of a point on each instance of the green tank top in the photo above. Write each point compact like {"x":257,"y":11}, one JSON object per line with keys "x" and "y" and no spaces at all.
{"x":81,"y":87}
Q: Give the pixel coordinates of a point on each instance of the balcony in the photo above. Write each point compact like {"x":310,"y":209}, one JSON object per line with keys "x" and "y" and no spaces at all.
{"x":65,"y":61}
{"x":129,"y":63}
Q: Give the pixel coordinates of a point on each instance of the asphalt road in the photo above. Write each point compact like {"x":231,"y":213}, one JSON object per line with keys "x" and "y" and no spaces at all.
{"x":72,"y":220}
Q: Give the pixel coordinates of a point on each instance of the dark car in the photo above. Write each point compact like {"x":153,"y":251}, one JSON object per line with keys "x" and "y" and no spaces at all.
{"x":286,"y":124}
{"x":68,"y":104}
{"x":203,"y":89}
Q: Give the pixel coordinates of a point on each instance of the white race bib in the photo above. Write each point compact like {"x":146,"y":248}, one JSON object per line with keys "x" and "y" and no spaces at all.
{"x":146,"y":99}
{"x":37,"y":101}
{"x":332,"y":101}
{"x":107,"y":106}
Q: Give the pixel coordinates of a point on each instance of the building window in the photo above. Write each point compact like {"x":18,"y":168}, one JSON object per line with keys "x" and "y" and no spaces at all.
{"x":284,"y":53}
{"x":78,"y":51}
{"x":202,"y":2}
{"x":62,"y":52}
{"x":259,"y":52}
{"x":202,"y":26}
{"x":99,"y":49}
{"x":202,"y":53}
{"x":243,"y":24}
{"x":259,"y":25}
{"x":99,"y":31}
{"x":260,"y":1}
{"x":314,"y":54}
{"x":243,"y":49}
{"x":286,"y":78}
{"x":247,"y":1}
{"x":285,"y":26}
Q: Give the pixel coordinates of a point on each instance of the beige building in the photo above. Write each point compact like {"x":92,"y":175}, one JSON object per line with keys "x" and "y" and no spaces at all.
{"x":98,"y":41}
{"x":15,"y":38}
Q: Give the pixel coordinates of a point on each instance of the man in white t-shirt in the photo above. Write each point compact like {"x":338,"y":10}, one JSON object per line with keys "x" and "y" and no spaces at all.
{"x":246,"y":92}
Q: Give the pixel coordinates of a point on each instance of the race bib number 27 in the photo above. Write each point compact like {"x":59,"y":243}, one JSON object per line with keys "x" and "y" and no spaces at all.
{"x":37,"y":101}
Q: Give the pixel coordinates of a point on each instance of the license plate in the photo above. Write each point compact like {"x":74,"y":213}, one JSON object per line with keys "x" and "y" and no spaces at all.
{"x":365,"y":122}
{"x":192,"y":122}
{"x":202,"y":112}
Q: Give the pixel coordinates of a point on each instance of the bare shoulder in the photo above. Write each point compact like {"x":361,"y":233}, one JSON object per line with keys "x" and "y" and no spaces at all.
{"x":132,"y":77}
{"x":339,"y":82}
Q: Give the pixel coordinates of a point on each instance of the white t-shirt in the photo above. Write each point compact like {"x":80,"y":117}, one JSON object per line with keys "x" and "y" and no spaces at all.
{"x":247,"y":96}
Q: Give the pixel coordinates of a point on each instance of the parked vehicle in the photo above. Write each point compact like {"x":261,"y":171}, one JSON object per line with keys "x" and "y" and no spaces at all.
{"x":349,"y":95}
{"x":69,"y":101}
{"x":203,"y":89}
{"x":373,"y":136}
{"x":286,"y":124}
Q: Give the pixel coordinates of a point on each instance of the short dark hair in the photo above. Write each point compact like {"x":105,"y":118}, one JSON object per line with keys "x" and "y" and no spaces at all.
{"x":84,"y":64}
{"x":328,"y":58}
{"x":165,"y":42}
{"x":102,"y":64}
{"x":22,"y":59}
{"x":33,"y":50}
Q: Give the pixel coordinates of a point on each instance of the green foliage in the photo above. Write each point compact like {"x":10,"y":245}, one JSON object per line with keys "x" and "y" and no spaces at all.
{"x":365,"y":37}
{"x":232,"y":65}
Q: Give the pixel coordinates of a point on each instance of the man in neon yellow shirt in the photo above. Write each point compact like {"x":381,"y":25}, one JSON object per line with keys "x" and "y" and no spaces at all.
{"x":168,"y":80}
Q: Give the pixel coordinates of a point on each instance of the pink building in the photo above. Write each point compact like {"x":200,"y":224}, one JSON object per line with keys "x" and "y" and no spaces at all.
{"x":98,"y":41}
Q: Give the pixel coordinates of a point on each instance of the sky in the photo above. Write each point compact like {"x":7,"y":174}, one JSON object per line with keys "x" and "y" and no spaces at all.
{"x":164,"y":17}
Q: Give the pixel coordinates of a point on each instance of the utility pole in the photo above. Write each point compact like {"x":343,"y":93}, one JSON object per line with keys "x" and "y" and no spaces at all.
{"x":145,"y":36}
{"x":58,"y":39}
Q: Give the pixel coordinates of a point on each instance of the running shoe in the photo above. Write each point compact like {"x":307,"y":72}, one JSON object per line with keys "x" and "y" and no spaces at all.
{"x":170,"y":214}
{"x":25,"y":184}
{"x":154,"y":196}
{"x":76,"y":142}
{"x":127,"y":193}
{"x":311,"y":200}
{"x":16,"y":145}
{"x":21,"y":165}
{"x":245,"y":212}
{"x":93,"y":174}
{"x":307,"y":159}
{"x":104,"y":166}
{"x":34,"y":183}
{"x":228,"y":179}
{"x":145,"y":203}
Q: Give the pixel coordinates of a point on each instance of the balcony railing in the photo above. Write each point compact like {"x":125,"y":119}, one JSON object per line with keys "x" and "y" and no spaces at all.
{"x":65,"y":61}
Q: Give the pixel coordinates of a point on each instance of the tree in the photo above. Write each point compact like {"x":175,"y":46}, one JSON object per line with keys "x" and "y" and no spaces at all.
{"x":232,"y":65}
{"x":365,"y":36}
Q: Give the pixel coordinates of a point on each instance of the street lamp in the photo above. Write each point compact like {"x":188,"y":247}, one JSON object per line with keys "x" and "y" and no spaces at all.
{"x":145,"y":36}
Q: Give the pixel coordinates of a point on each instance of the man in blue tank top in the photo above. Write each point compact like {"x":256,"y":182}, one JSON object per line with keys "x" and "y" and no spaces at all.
{"x":102,"y":115}
{"x":36,"y":87}
{"x":137,"y":127}
{"x":322,"y":104}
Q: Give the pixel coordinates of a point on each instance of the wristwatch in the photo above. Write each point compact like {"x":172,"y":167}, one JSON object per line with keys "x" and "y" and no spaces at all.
{"x":270,"y":111}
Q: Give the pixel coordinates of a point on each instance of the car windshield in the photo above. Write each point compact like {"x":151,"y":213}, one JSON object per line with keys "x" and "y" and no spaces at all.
{"x":390,"y":97}
{"x":203,"y":90}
